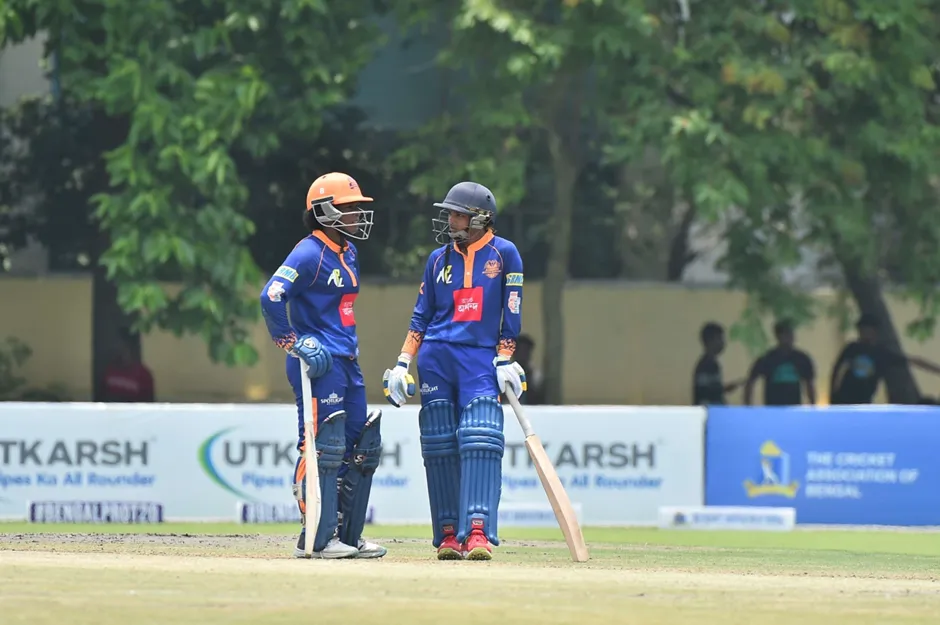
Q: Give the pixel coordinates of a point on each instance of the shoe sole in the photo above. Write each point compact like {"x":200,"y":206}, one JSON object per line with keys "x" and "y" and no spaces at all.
{"x":371,"y":555}
{"x":301,"y":554}
{"x":449,"y":554}
{"x":479,"y":554}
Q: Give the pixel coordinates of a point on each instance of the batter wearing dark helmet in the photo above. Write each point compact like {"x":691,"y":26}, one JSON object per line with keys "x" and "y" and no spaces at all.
{"x":463,"y":331}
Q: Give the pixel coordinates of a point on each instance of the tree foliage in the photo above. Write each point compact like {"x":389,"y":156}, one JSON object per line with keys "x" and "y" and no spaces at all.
{"x":527,"y":77}
{"x":791,"y":127}
{"x":195,"y":84}
{"x":813,"y":126}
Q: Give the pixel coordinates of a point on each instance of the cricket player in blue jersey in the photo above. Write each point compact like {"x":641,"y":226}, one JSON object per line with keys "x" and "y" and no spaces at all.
{"x":320,"y":279}
{"x":463,"y":331}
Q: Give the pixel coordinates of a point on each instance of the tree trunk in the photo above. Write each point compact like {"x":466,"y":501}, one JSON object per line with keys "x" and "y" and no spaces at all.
{"x":867,"y":291}
{"x":553,"y":290}
{"x":680,"y":253}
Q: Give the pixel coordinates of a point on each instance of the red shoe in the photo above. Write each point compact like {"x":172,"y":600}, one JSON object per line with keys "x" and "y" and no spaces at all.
{"x":450,"y":548}
{"x":477,"y":547}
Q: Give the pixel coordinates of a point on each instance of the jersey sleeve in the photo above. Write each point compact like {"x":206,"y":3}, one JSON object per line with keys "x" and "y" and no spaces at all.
{"x":298,"y":270}
{"x":423,"y":311}
{"x":512,"y":301}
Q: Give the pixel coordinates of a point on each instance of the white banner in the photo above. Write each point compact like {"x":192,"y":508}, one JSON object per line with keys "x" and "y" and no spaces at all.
{"x":735,"y":518}
{"x":619,"y":464}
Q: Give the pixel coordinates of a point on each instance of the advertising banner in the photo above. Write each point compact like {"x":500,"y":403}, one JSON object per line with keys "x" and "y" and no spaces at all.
{"x":728,"y":518}
{"x":236,"y":462}
{"x":870,"y":465}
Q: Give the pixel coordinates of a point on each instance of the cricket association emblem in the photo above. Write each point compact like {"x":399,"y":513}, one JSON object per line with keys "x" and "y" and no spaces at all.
{"x":492,"y":268}
{"x":775,"y":474}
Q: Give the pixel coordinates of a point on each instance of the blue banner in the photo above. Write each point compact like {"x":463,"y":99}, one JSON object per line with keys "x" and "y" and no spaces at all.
{"x":855,"y":465}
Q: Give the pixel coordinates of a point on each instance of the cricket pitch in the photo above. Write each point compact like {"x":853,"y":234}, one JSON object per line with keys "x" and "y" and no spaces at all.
{"x":244,"y":574}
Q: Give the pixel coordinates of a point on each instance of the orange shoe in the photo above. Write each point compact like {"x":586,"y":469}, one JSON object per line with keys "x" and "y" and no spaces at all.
{"x":449,"y":549}
{"x":477,"y":547}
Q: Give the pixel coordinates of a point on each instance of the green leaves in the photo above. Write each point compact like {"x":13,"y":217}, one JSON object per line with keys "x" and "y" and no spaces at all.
{"x":814,"y":133}
{"x":193,"y":85}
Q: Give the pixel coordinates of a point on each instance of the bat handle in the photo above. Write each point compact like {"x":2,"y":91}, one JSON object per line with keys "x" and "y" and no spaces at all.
{"x":520,"y":414}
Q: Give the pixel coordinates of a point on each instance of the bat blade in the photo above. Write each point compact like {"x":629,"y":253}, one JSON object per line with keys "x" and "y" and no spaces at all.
{"x":312,"y":479}
{"x":558,"y":498}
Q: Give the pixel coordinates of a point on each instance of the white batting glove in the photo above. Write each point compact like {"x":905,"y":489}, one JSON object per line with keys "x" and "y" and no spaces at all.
{"x":398,"y":385}
{"x":510,"y":375}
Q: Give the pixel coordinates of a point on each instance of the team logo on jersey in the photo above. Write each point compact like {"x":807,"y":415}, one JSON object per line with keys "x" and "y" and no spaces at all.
{"x":276,"y":291}
{"x":444,"y":275}
{"x":336,"y":279}
{"x":347,"y":313}
{"x":288,"y":273}
{"x":492,"y":268}
{"x":514,"y":303}
{"x":468,"y":304}
{"x":513,"y":279}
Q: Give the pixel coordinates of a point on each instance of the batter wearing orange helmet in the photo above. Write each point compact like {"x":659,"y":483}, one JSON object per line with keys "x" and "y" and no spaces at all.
{"x":320,"y":279}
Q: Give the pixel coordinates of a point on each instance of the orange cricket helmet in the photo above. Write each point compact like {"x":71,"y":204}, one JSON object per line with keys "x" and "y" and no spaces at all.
{"x":331,"y":191}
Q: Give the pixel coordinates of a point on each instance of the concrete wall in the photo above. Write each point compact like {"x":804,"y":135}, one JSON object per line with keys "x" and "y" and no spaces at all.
{"x":633,"y":344}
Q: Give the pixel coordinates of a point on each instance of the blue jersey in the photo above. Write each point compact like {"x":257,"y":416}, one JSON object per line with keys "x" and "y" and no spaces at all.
{"x":321,"y":281}
{"x":471,"y":298}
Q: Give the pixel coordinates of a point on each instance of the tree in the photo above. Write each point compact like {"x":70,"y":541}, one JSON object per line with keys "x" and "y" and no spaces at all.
{"x":184,"y":88}
{"x":527,"y":76}
{"x":813,"y":126}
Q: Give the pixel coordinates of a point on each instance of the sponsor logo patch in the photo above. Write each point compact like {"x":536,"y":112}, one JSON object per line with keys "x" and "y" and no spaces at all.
{"x":288,"y":273}
{"x":515,"y":303}
{"x":332,"y":400}
{"x":347,"y":314}
{"x":513,"y":279}
{"x":468,"y":304}
{"x":336,"y":279}
{"x":276,"y":291}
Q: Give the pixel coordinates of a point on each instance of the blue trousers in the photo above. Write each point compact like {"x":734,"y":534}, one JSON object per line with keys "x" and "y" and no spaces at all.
{"x":341,"y":389}
{"x":458,"y":373}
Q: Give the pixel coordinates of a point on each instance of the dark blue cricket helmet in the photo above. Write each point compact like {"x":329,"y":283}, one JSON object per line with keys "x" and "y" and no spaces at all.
{"x":469,"y":198}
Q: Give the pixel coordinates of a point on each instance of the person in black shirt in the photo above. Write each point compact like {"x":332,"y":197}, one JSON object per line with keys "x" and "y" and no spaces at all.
{"x":707,"y":385}
{"x":785,"y":370}
{"x":864,"y":362}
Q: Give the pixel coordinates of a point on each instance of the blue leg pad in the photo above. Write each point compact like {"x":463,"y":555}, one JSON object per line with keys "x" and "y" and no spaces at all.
{"x":481,"y":441}
{"x":331,"y":447}
{"x":357,"y":483}
{"x":438,"y":424}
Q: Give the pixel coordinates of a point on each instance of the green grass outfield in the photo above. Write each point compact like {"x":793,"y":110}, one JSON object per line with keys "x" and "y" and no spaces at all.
{"x":881,"y":541}
{"x":231,"y":574}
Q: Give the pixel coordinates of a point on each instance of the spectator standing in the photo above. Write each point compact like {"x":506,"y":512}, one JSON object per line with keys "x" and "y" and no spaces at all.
{"x":863,"y":363}
{"x":126,"y":378}
{"x":708,"y":386}
{"x":785,"y":369}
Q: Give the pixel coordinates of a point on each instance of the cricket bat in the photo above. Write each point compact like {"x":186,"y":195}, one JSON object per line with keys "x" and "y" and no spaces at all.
{"x":557,"y":496}
{"x":312,"y":489}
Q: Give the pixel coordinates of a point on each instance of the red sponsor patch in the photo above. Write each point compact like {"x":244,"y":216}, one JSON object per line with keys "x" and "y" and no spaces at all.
{"x":347,"y":316}
{"x":468,"y":304}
